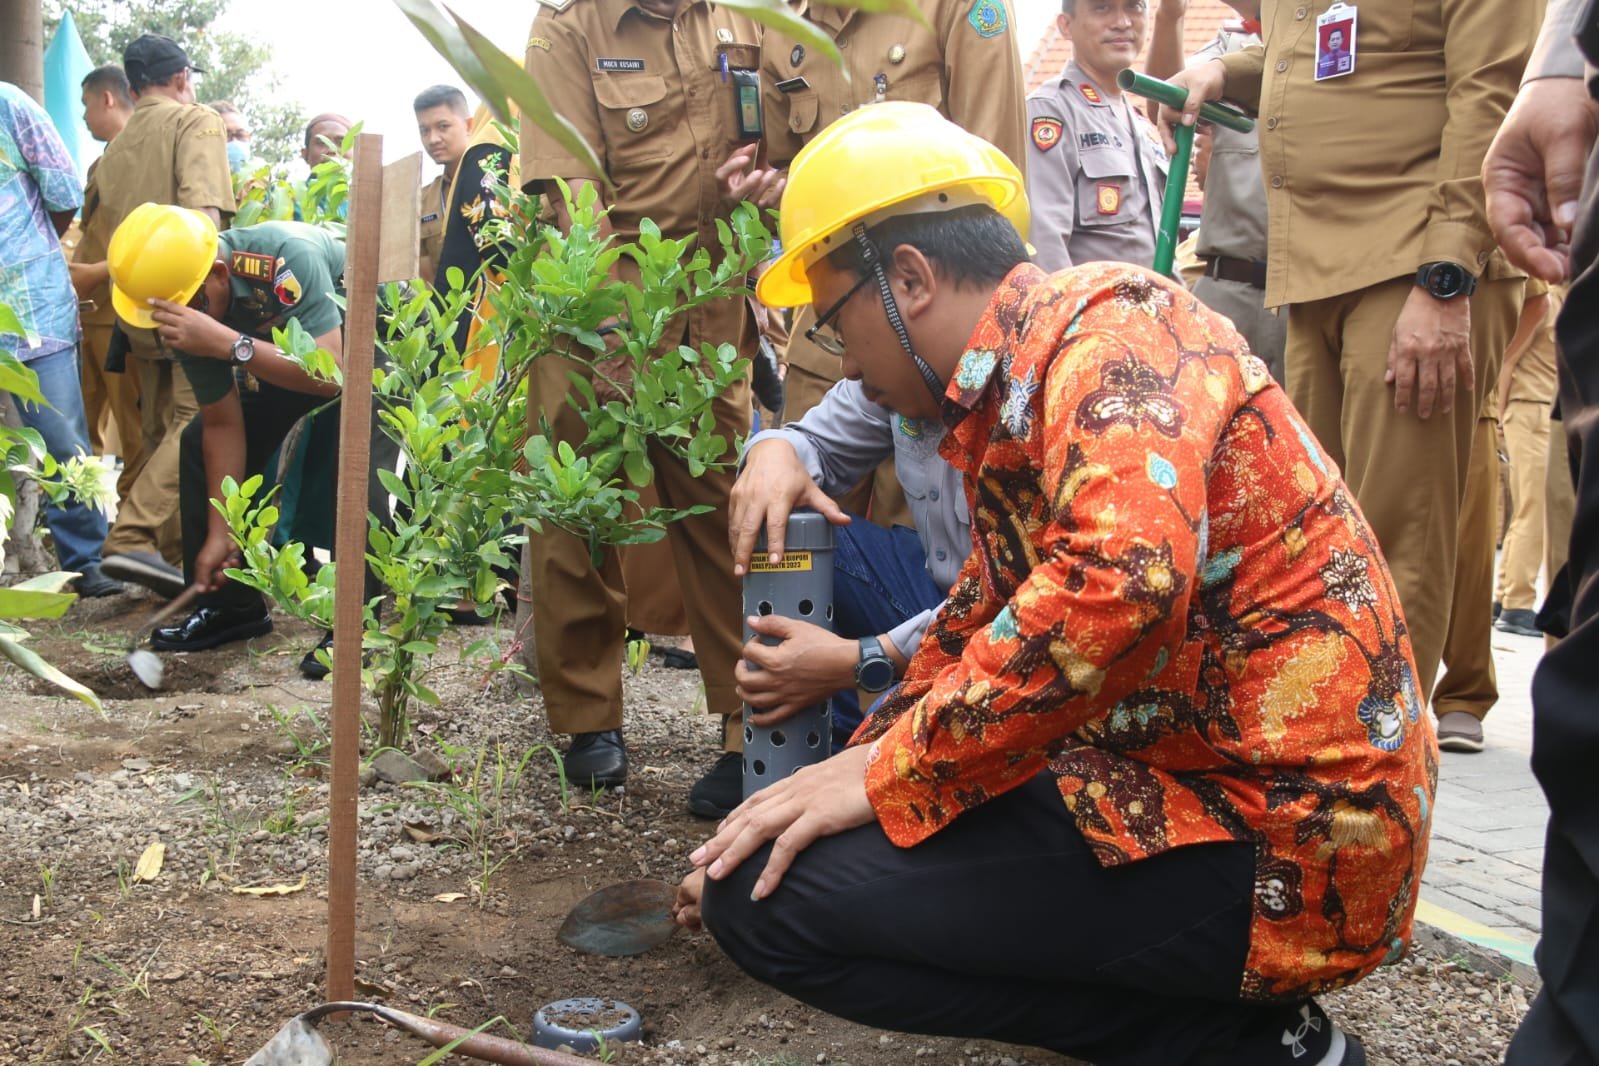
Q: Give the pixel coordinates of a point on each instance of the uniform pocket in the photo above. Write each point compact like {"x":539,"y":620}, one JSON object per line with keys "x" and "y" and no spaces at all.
{"x":802,"y":111}
{"x":1103,"y":179}
{"x":636,"y":117}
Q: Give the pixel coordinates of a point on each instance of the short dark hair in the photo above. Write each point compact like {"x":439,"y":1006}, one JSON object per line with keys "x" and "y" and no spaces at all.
{"x":109,"y":79}
{"x":969,"y":244}
{"x":441,"y":96}
{"x":1068,"y":7}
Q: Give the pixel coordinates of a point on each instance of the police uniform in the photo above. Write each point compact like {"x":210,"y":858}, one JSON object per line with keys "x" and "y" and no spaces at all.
{"x":169,"y":153}
{"x":105,"y":394}
{"x":430,"y":234}
{"x":1096,"y":173}
{"x":277,"y":272}
{"x":648,"y":93}
{"x":966,"y":66}
{"x":1232,"y":225}
{"x":1356,"y":205}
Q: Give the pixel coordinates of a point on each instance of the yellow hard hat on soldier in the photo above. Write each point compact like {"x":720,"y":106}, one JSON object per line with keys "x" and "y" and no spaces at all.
{"x":876,"y":162}
{"x":159,"y":252}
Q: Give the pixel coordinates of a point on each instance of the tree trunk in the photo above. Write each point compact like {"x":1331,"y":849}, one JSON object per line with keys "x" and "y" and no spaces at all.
{"x":22,"y":46}
{"x":26,"y":556}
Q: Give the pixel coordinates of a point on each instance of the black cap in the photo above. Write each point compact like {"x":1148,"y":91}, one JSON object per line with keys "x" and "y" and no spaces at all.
{"x":153,"y":58}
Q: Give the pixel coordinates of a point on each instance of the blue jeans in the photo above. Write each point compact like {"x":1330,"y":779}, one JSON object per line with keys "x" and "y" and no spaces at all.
{"x":879,"y":579}
{"x":77,"y":528}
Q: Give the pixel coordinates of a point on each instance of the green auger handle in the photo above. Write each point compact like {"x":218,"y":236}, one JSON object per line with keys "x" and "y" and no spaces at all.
{"x":1171,"y":208}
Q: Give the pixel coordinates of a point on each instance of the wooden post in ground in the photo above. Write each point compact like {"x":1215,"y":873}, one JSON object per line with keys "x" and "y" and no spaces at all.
{"x":380,"y":245}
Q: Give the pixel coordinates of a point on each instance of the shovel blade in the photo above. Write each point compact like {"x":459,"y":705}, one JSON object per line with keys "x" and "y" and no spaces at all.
{"x":628,"y":918}
{"x":296,"y":1044}
{"x":147,"y":667}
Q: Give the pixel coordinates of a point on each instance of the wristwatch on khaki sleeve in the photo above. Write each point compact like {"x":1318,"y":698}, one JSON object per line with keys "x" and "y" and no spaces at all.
{"x":1445,"y":280}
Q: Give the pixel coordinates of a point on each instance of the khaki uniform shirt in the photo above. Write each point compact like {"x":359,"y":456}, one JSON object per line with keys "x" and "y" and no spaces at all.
{"x":94,"y":308}
{"x":1372,"y":174}
{"x":647,"y":93}
{"x":169,"y":153}
{"x":967,"y":67}
{"x":431,"y":231}
{"x":1096,"y":173}
{"x":1233,"y":221}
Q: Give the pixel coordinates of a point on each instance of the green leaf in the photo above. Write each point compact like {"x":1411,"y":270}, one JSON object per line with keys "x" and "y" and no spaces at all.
{"x":777,"y":15}
{"x":34,"y":664}
{"x":10,"y":323}
{"x":18,"y":602}
{"x":15,"y":377}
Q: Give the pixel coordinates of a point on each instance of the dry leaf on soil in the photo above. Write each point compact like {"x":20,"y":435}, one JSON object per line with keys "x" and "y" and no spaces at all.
{"x":270,"y":890}
{"x":150,"y":863}
{"x":449,"y":897}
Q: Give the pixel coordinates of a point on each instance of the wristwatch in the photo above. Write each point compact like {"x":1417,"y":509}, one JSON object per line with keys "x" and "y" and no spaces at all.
{"x":242,"y":350}
{"x":1445,"y":280}
{"x":875,"y":671}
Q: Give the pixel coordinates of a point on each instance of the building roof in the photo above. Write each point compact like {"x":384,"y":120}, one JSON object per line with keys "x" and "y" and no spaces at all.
{"x":1200,"y":24}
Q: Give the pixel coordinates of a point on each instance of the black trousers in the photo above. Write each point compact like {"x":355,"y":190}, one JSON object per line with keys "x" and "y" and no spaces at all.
{"x":1004,"y":926}
{"x":1562,"y":1026}
{"x":269,"y":413}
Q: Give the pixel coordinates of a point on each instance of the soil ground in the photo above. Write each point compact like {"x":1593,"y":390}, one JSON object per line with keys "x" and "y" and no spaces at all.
{"x":462,"y":885}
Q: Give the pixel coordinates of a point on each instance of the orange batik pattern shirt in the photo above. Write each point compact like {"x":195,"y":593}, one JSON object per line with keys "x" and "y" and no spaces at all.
{"x":1176,"y":608}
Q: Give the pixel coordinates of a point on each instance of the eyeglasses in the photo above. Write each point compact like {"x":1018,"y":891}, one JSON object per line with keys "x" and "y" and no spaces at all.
{"x":830,"y":342}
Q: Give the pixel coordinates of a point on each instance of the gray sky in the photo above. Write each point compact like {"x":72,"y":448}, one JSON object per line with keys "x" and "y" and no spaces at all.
{"x":363,"y":57}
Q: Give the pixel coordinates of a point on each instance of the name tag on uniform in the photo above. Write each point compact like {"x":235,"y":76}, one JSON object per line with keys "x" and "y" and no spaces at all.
{"x":1335,"y":41}
{"x":792,"y":85}
{"x":635,"y":66}
{"x":434,"y":217}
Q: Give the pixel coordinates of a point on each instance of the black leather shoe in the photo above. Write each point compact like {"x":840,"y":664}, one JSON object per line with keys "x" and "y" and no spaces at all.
{"x":596,"y":760}
{"x":721,"y":789}
{"x":311,"y":667}
{"x":92,"y":584}
{"x":208,"y":627}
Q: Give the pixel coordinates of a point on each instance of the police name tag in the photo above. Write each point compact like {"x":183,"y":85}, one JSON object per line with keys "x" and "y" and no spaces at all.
{"x":1335,"y":41}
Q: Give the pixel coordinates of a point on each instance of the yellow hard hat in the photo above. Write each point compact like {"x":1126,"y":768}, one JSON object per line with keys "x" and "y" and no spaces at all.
{"x":876,"y":162}
{"x":159,"y":252}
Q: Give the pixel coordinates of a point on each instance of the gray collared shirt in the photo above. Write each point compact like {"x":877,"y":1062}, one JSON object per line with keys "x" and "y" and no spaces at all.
{"x":843,"y":439}
{"x":1096,"y":172}
{"x":1233,"y":221}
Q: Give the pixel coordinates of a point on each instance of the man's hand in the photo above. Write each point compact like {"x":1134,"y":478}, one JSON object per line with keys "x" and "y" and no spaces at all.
{"x":818,"y":801}
{"x":1532,"y":174}
{"x":1430,"y":356}
{"x":807,"y":667}
{"x":686,"y":907}
{"x":216,"y":555}
{"x":772,"y":484}
{"x":742,"y":178}
{"x":192,"y":332}
{"x":86,"y":277}
{"x":1206,"y":82}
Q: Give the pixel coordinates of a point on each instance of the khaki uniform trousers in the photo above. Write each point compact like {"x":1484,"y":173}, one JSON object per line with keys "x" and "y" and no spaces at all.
{"x":147,"y":520}
{"x":1526,"y":429}
{"x":1559,"y":506}
{"x":1407,"y":473}
{"x":811,"y":372}
{"x":581,"y":607}
{"x":654,"y":592}
{"x":1470,"y":682}
{"x":110,"y":405}
{"x":1245,"y":306}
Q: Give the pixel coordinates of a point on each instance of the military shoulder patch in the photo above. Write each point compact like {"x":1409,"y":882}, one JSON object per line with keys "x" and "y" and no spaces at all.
{"x":251,"y":266}
{"x":988,"y":18}
{"x":1090,"y":93}
{"x":286,"y":287}
{"x":1046,"y":132}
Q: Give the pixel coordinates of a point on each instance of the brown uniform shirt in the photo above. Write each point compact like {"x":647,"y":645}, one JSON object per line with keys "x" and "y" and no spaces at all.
{"x":431,"y":231}
{"x":647,"y":93}
{"x":1372,"y":174}
{"x":94,"y":308}
{"x":169,"y":153}
{"x":967,"y":66}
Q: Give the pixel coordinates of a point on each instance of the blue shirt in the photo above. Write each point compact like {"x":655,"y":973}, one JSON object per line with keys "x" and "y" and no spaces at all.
{"x":36,"y":177}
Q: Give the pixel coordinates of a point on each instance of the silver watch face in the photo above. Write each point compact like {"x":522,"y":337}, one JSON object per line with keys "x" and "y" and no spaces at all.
{"x":243,"y":349}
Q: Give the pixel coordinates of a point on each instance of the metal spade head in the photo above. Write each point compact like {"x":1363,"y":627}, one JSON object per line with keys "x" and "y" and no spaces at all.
{"x":147,"y":667}
{"x":628,"y":918}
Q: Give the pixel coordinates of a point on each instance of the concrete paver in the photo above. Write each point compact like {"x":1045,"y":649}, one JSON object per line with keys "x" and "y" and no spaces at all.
{"x":1482,"y":877}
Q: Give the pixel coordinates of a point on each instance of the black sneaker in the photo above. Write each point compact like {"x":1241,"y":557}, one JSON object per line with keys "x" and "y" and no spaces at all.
{"x":311,"y":667}
{"x":92,"y":584}
{"x":721,"y":789}
{"x":147,"y":569}
{"x":1519,"y":621}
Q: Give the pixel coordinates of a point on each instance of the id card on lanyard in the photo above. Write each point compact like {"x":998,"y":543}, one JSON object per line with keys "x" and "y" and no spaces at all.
{"x":1335,"y":41}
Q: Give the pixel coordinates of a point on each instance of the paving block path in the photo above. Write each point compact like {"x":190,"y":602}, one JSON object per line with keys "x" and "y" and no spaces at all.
{"x":1482,"y":878}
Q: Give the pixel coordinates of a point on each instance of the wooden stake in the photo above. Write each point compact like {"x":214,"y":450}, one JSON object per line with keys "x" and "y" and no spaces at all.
{"x":355,"y":428}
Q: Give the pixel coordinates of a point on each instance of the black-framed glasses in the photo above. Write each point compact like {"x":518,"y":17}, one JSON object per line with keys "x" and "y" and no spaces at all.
{"x":830,"y":342}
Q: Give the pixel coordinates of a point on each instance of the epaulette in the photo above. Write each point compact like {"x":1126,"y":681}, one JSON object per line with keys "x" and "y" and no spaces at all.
{"x":557,"y":5}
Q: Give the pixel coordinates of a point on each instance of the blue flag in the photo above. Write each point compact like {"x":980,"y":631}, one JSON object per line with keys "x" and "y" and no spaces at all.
{"x":66,"y":64}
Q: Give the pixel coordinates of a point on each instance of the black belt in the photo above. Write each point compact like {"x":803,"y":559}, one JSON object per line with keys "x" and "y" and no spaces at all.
{"x":1245,"y":271}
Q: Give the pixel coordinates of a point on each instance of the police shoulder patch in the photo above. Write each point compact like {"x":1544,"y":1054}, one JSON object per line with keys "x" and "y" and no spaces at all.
{"x":251,"y":266}
{"x":1046,"y":132}
{"x":1090,"y":93}
{"x":988,"y":18}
